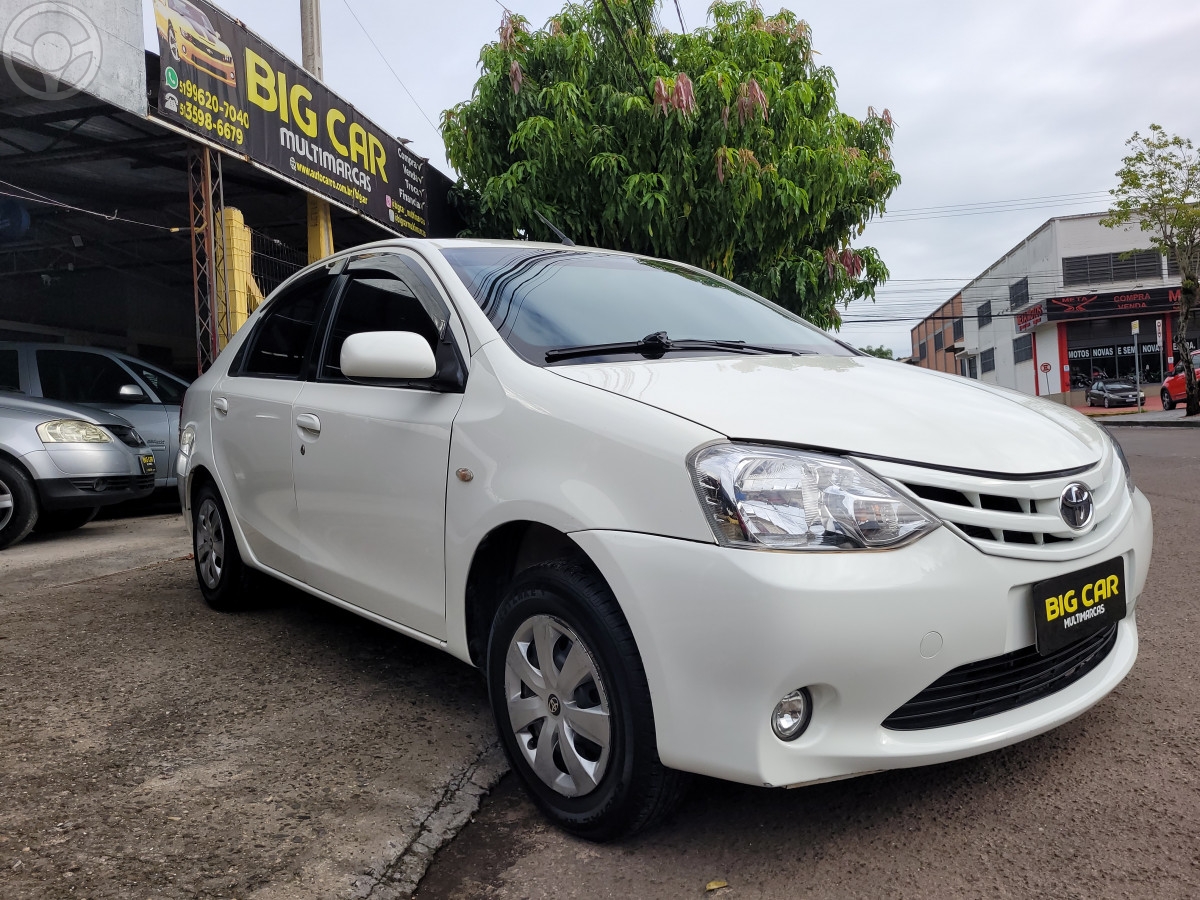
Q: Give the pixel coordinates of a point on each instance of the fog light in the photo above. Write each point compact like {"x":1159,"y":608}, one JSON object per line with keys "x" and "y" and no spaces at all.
{"x":792,"y":715}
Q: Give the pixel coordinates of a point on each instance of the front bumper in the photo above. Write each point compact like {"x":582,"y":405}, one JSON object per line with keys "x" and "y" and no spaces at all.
{"x":203,"y":59}
{"x":73,"y":476}
{"x":725,"y":633}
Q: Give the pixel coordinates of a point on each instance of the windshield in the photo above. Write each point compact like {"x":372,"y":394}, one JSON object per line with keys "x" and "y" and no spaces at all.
{"x":196,"y":16}
{"x":543,"y":299}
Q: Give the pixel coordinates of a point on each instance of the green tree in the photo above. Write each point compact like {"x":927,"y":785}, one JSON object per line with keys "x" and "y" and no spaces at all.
{"x":723,"y":148}
{"x":1159,"y":189}
{"x":881,"y":351}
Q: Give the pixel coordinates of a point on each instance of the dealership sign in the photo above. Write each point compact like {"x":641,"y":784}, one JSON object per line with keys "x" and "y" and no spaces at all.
{"x":224,"y":83}
{"x":1091,"y":306}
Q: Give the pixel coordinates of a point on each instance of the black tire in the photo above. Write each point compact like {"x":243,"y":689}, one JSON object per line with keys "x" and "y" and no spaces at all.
{"x":1167,"y":402}
{"x":18,"y":504}
{"x":1091,"y":400}
{"x":173,"y":43}
{"x":1106,"y":402}
{"x":632,"y":788}
{"x":220,"y":572}
{"x":65,"y":519}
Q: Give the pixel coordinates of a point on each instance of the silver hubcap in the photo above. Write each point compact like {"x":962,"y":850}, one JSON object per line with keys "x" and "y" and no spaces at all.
{"x":7,"y":506}
{"x":557,"y":706}
{"x":210,"y":544}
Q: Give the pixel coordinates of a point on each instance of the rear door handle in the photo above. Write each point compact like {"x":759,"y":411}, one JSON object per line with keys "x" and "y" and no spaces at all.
{"x":221,"y":405}
{"x":309,"y":423}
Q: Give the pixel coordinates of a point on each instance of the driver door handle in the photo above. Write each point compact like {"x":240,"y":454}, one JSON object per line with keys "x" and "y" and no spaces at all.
{"x":308,"y":422}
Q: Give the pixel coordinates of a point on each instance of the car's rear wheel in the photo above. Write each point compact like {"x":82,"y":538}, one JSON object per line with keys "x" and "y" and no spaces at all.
{"x":65,"y":519}
{"x":18,"y":504}
{"x":570,"y":699}
{"x":1106,"y":405}
{"x":1167,"y":402}
{"x":219,"y":568}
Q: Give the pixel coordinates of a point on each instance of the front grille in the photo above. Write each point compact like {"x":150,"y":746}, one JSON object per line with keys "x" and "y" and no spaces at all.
{"x":1017,"y":517}
{"x":999,"y":684}
{"x":127,"y":435}
{"x":105,"y":484}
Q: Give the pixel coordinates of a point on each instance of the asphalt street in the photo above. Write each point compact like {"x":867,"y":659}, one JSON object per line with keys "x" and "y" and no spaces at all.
{"x":152,"y":748}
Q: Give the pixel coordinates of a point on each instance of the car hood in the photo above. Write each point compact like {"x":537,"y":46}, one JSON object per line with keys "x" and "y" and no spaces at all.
{"x":859,"y":405}
{"x":42,"y":409}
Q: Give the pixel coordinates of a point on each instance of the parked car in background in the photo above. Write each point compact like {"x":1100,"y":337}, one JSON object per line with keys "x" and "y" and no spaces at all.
{"x":146,"y":395}
{"x":59,"y":463}
{"x":1174,"y":388}
{"x":1109,"y":392}
{"x":632,"y":493}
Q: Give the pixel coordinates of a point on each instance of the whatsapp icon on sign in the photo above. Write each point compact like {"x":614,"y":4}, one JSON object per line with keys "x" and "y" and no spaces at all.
{"x":172,"y":78}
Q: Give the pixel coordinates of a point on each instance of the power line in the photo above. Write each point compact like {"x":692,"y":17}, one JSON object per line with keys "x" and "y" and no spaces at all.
{"x":1011,"y":200}
{"x":679,"y":10}
{"x":34,"y":197}
{"x":395,"y":75}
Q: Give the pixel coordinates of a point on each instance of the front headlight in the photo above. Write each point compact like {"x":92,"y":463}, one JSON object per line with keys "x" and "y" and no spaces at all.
{"x":770,"y":498}
{"x":187,"y":439}
{"x":1124,"y":462}
{"x":72,"y":431}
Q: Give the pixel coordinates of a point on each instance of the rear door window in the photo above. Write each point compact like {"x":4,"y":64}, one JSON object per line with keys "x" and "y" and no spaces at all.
{"x":282,"y":340}
{"x":10,"y":371}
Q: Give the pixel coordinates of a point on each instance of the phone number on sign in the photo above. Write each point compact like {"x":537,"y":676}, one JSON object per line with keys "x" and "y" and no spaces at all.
{"x":203,"y":118}
{"x":209,"y":101}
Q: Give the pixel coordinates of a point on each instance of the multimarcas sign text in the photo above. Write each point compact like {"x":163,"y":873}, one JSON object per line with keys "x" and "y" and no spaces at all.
{"x":223,"y":82}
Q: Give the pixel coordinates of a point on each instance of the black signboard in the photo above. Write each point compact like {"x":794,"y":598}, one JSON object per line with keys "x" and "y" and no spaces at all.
{"x":1122,"y":303}
{"x":222,"y":81}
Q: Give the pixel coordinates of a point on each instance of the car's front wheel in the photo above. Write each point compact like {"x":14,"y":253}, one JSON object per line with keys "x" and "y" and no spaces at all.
{"x":1167,"y":402}
{"x":219,"y":567}
{"x":570,"y":699}
{"x":172,"y":43}
{"x":18,"y":504}
{"x":1106,"y":404}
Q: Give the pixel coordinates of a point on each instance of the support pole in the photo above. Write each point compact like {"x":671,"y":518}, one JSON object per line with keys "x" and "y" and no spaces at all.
{"x":320,"y":224}
{"x":201,"y":215}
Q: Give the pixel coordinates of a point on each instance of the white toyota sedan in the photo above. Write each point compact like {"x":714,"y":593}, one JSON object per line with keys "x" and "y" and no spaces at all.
{"x":678,"y":528}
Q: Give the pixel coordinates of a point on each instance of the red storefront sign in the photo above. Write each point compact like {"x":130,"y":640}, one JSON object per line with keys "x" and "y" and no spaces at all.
{"x":1031,"y":318}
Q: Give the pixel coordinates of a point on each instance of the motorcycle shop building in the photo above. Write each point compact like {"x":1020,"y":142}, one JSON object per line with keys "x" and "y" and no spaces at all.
{"x":1072,"y":303}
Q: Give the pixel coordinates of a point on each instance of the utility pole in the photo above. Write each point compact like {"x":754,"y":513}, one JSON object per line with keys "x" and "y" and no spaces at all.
{"x":320,"y":225}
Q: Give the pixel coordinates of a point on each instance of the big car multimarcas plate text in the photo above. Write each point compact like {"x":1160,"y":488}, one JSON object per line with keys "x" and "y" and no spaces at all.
{"x":678,"y":528}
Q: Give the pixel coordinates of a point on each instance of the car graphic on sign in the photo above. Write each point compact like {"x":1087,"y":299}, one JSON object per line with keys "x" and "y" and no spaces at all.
{"x":192,"y":39}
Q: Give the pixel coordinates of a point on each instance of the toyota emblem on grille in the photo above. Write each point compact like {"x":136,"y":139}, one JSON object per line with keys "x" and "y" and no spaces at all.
{"x":1076,"y":505}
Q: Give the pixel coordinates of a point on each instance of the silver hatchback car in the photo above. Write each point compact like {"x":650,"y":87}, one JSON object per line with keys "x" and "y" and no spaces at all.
{"x":133,"y":389}
{"x":60,"y":463}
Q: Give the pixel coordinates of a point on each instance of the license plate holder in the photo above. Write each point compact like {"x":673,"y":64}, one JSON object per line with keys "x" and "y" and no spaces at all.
{"x":1079,"y":604}
{"x":147,"y":460}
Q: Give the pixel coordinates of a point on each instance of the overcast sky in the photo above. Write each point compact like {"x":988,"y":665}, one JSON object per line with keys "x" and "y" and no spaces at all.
{"x":994,"y":102}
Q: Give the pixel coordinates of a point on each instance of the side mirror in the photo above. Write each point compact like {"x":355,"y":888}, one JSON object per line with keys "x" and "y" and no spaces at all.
{"x":395,"y":355}
{"x":131,"y":393}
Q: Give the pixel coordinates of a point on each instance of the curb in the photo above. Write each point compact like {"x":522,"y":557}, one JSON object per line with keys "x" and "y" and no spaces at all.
{"x":1121,"y":421}
{"x":397,"y":877}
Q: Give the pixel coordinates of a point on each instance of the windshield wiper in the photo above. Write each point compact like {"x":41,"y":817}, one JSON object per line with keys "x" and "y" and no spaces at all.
{"x":654,"y":346}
